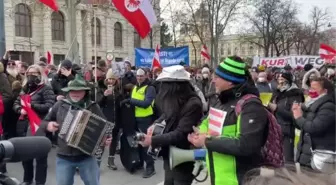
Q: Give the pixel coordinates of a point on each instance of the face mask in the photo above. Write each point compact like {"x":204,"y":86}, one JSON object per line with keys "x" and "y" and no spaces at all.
{"x":330,"y":71}
{"x":313,"y":94}
{"x":33,"y":80}
{"x":262,"y":79}
{"x":205,"y":76}
{"x":283,"y":87}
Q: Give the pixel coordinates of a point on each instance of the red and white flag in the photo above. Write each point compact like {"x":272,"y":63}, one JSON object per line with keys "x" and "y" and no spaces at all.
{"x":139,"y":13}
{"x":327,"y":53}
{"x":216,"y":121}
{"x":156,"y":59}
{"x":49,"y":57}
{"x":34,"y":119}
{"x":205,"y":54}
{"x":51,"y":4}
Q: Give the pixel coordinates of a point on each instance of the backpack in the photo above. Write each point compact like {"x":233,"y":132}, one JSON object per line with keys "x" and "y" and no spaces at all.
{"x":272,"y":151}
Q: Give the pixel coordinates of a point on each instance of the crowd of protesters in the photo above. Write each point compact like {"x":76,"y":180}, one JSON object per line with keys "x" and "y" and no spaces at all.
{"x":302,"y":99}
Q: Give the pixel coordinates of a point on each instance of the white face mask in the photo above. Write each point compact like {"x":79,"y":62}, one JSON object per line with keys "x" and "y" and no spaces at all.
{"x":262,"y":79}
{"x":205,"y":76}
{"x":330,"y":72}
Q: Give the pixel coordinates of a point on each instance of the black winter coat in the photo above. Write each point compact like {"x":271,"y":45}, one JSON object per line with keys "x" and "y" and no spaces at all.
{"x":41,"y":101}
{"x":110,"y":106}
{"x":177,"y":130}
{"x":283,"y":113}
{"x":317,"y":129}
{"x":59,"y":82}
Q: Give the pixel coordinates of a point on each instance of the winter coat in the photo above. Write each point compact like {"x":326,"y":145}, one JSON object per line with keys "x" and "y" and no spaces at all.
{"x":177,"y":130}
{"x":232,"y":155}
{"x":110,"y":106}
{"x":317,"y":129}
{"x":41,"y":101}
{"x":5,"y":87}
{"x":59,"y":82}
{"x":283,"y":113}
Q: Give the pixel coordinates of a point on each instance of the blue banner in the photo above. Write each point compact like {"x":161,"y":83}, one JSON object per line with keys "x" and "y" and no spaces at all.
{"x":168,"y":56}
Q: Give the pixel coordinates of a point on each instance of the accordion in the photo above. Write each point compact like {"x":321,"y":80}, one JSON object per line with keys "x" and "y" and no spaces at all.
{"x":85,"y":131}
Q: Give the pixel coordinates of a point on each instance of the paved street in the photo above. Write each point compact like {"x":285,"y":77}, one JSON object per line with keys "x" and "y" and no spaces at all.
{"x":108,"y":177}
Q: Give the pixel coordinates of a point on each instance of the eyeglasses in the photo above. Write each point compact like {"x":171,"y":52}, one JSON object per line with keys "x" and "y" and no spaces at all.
{"x":11,"y":64}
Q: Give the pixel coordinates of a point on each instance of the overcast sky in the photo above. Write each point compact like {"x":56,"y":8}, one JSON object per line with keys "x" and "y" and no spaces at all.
{"x":305,"y":7}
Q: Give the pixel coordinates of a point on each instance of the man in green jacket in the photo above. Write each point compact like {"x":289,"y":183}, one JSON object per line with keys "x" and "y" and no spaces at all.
{"x":233,"y":142}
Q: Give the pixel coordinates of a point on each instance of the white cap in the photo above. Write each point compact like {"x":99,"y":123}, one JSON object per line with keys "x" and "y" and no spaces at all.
{"x":174,"y":73}
{"x":140,"y":72}
{"x":205,"y":70}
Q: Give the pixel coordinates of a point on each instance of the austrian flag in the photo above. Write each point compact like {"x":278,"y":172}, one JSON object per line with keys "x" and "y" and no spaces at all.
{"x":216,"y":121}
{"x":156,"y":59}
{"x":139,"y":13}
{"x":327,"y":53}
{"x":34,"y":120}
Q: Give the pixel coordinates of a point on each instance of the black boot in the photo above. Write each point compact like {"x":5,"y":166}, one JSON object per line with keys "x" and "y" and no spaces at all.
{"x":149,"y":171}
{"x":110,"y":163}
{"x":26,"y":183}
{"x":3,"y":168}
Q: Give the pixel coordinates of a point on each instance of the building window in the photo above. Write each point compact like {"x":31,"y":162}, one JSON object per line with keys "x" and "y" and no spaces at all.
{"x":236,"y":51}
{"x":57,"y":26}
{"x":137,"y":40}
{"x":58,"y":59}
{"x":222,"y":50}
{"x":117,"y":34}
{"x":229,"y":49}
{"x":118,"y":59}
{"x":23,"y":26}
{"x":98,"y":28}
{"x":98,"y":58}
{"x":251,"y":50}
{"x":242,"y":50}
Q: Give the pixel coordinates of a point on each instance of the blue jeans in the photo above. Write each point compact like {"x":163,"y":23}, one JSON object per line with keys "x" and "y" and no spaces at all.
{"x":88,"y":171}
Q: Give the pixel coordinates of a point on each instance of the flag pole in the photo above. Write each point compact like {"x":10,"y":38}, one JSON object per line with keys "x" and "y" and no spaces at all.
{"x":95,"y":48}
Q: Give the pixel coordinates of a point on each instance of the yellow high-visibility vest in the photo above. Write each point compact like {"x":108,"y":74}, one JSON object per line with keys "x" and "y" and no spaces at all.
{"x":139,"y":94}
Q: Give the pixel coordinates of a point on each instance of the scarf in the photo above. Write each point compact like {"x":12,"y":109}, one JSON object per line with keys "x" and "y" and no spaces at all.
{"x":311,"y":101}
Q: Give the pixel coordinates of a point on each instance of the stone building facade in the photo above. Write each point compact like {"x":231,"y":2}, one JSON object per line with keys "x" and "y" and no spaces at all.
{"x":33,"y":29}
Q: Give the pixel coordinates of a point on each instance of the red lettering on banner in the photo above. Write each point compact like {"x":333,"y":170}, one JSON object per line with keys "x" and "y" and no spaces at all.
{"x":264,"y":62}
{"x":272,"y":62}
{"x":281,"y":62}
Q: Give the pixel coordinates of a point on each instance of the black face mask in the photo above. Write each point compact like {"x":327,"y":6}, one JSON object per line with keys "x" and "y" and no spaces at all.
{"x":33,"y":81}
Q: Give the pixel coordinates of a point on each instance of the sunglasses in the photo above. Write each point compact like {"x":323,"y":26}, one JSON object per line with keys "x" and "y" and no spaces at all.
{"x":11,"y":64}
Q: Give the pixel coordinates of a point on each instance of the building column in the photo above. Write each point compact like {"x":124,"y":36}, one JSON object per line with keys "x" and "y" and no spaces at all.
{"x":47,"y":36}
{"x":9,"y":22}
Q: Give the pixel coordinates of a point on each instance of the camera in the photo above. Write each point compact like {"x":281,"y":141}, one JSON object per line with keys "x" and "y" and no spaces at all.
{"x":158,"y":129}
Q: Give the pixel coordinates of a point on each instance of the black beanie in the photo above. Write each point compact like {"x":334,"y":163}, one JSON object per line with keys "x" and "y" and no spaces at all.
{"x":287,"y":76}
{"x":308,"y":67}
{"x":67,"y":64}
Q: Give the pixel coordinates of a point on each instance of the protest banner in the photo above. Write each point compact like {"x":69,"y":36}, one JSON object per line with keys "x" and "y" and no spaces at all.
{"x":293,"y":61}
{"x":168,"y":56}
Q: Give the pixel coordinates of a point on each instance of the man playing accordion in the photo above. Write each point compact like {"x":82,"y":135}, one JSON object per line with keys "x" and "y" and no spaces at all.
{"x":70,"y":158}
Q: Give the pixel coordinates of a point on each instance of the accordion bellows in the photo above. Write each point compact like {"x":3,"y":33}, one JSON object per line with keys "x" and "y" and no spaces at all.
{"x":85,"y":131}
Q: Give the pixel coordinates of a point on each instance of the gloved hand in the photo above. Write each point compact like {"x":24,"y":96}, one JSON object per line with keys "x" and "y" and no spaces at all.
{"x":125,"y":101}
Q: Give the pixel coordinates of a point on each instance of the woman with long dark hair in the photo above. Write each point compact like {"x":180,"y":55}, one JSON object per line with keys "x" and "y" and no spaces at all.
{"x":181,"y":109}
